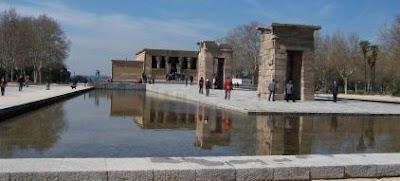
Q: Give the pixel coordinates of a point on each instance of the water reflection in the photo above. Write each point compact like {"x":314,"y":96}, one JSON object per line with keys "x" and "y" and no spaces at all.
{"x":36,"y":131}
{"x":280,"y":135}
{"x":128,"y":123}
{"x":274,"y":134}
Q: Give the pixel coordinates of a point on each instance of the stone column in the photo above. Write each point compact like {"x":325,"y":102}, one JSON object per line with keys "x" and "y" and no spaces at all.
{"x":180,"y":65}
{"x":158,"y":59}
{"x":167,"y":64}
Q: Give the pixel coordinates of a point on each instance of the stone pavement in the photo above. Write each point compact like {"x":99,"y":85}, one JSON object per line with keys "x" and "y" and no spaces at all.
{"x":248,"y":102}
{"x":367,"y":179}
{"x":221,"y":168}
{"x":372,"y":98}
{"x":34,"y":93}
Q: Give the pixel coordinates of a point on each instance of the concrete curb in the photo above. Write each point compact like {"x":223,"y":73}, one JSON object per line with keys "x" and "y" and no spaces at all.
{"x":240,"y":168}
{"x":36,"y":104}
{"x":395,"y":100}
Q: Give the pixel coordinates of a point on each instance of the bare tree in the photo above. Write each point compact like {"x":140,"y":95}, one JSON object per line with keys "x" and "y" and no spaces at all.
{"x":245,"y":41}
{"x":9,"y":41}
{"x":31,"y":42}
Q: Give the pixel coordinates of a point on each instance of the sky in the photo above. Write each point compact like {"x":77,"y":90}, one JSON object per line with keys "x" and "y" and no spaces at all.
{"x":101,"y":30}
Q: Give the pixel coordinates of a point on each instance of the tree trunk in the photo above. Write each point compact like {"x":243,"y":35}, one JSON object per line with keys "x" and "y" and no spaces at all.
{"x":34,"y":74}
{"x":365,"y":77}
{"x":345,"y":85}
{"x":40,"y":76}
{"x":12,"y":75}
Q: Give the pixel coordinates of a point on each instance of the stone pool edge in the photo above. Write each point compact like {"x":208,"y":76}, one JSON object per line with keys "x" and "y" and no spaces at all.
{"x":183,"y":97}
{"x":239,"y":168}
{"x":15,"y":110}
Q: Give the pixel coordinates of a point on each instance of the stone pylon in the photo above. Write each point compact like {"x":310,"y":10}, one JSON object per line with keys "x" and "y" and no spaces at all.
{"x":287,"y":53}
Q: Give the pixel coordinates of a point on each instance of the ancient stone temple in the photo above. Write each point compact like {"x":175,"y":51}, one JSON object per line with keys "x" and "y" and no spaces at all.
{"x":286,"y":53}
{"x":158,"y":63}
{"x":215,"y":61}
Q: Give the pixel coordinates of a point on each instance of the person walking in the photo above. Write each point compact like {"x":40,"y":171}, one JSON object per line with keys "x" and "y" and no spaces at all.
{"x":228,"y":86}
{"x":290,"y":91}
{"x":191,"y":80}
{"x":271,"y":89}
{"x":201,"y":84}
{"x":208,"y":87}
{"x":21,"y":82}
{"x":335,"y":90}
{"x":3,"y":84}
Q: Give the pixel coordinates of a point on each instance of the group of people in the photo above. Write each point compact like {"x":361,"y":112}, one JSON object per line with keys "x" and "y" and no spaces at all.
{"x":290,"y":93}
{"x":228,"y":86}
{"x":23,"y":81}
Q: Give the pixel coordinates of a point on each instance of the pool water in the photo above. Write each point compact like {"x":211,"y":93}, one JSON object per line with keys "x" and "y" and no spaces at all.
{"x":139,"y":124}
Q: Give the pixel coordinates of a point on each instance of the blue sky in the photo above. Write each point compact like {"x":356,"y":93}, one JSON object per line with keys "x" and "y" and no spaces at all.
{"x":101,"y":30}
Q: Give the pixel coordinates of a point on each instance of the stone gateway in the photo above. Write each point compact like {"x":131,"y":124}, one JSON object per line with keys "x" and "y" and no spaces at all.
{"x":215,"y":62}
{"x":287,"y":53}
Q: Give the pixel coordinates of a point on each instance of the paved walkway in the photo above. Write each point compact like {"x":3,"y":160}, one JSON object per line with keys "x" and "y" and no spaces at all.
{"x":367,"y":179}
{"x":373,"y":98}
{"x":33,"y":93}
{"x":248,"y":102}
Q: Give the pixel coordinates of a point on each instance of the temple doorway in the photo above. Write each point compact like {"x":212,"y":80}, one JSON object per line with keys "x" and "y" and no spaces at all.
{"x":293,"y":71}
{"x":174,"y":65}
{"x":219,"y":73}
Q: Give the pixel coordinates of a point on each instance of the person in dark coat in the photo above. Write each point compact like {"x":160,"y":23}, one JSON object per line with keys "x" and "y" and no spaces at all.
{"x":191,"y":80}
{"x":21,"y":82}
{"x":271,"y":89}
{"x":335,"y":90}
{"x":3,"y":85}
{"x":201,"y":84}
{"x":208,"y":87}
{"x":290,"y":91}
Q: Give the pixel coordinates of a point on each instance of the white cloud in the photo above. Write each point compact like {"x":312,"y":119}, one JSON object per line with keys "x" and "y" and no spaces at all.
{"x":96,"y":39}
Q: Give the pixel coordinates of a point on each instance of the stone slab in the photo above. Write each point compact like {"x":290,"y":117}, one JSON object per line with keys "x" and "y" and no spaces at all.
{"x":129,"y":169}
{"x":292,"y":167}
{"x":83,"y":169}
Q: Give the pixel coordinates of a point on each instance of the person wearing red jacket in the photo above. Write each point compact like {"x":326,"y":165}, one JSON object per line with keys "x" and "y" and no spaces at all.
{"x":228,"y":86}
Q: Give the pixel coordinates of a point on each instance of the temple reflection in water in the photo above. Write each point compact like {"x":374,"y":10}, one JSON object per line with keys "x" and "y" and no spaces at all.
{"x":143,"y":124}
{"x":260,"y":135}
{"x":212,"y":125}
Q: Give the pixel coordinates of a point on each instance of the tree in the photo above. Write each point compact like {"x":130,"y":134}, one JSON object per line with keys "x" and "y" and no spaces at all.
{"x":9,"y":41}
{"x":365,"y":48}
{"x":389,"y":37}
{"x":372,"y":62}
{"x":30,"y":43}
{"x":340,"y":54}
{"x":245,"y":42}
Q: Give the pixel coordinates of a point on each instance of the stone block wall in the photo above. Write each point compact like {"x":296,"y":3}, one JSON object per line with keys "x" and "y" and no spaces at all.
{"x":123,"y":70}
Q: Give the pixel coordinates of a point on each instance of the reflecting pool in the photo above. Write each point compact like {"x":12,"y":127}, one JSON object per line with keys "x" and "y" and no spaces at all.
{"x":139,"y":124}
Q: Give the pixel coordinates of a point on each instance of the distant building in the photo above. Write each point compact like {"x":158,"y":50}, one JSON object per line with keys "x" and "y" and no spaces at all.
{"x":163,"y":64}
{"x":159,"y":64}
